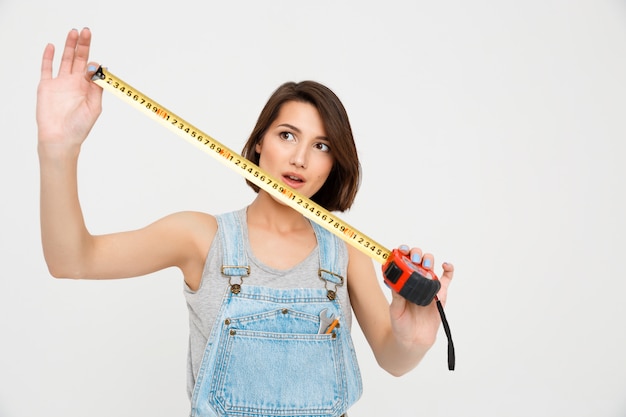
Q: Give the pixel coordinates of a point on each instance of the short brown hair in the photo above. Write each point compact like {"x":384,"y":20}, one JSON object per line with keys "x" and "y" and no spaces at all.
{"x":341,"y":186}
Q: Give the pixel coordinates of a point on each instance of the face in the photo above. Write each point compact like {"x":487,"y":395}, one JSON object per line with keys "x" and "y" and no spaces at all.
{"x":295,"y":148}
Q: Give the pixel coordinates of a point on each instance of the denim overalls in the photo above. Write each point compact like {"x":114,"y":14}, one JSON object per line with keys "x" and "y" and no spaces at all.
{"x":268,"y":353}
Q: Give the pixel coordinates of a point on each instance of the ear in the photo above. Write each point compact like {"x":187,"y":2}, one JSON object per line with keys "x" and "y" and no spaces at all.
{"x":258,"y":146}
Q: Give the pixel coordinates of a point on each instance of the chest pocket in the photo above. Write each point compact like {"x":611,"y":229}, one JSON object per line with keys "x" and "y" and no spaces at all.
{"x":276,"y":363}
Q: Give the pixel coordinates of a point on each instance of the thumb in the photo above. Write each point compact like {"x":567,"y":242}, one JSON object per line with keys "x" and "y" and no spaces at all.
{"x":92,"y":68}
{"x":398,"y":304}
{"x":445,"y":279}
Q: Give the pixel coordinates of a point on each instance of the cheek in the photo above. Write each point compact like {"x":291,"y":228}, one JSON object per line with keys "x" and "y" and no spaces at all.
{"x":265,"y":153}
{"x":326,"y":167}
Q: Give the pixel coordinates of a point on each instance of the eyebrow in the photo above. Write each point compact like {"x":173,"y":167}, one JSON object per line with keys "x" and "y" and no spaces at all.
{"x":287,"y":125}
{"x":292,"y":127}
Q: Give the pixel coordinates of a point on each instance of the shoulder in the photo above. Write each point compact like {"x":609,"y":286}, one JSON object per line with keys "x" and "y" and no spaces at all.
{"x":200,"y":228}
{"x":192,"y":218}
{"x":359,"y":264}
{"x":362,"y":279}
{"x":189,"y":220}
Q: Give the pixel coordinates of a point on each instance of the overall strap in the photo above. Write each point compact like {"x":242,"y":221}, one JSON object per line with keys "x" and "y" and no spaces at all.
{"x":328,"y":246}
{"x":234,"y":259}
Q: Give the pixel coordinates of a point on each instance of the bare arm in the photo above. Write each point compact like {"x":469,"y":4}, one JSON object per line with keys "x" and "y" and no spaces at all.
{"x":68,"y":105}
{"x":399,"y":334}
{"x":67,"y":108}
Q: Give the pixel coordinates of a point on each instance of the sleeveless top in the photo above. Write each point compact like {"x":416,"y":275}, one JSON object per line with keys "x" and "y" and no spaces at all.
{"x":204,"y":304}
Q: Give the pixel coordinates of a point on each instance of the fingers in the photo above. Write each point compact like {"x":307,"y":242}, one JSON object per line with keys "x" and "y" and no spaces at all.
{"x":76,"y":51}
{"x":426,"y":260}
{"x":92,"y":68}
{"x":82,"y":51}
{"x":445,"y":279}
{"x":448,"y":272}
{"x":448,"y":268}
{"x":67,"y":59}
{"x":46,"y":62}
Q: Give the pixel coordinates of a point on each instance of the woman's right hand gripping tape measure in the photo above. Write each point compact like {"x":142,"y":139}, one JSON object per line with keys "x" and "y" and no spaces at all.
{"x":419,"y":286}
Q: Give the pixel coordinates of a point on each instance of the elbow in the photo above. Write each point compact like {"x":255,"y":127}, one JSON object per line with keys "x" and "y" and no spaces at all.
{"x":396,"y":373}
{"x":62,"y":271}
{"x":398,"y":370}
{"x":401,"y":363}
{"x":64,"y":264}
{"x":60,"y":274}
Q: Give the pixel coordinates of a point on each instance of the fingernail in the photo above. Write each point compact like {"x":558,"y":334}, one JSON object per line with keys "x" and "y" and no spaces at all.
{"x":416,"y":258}
{"x":91,"y":68}
{"x":404,"y":248}
{"x":427,"y":263}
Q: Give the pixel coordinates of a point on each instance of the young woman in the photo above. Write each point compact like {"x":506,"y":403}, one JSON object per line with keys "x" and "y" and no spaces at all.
{"x":270,"y":294}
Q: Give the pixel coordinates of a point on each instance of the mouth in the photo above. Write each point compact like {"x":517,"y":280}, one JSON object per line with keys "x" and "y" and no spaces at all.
{"x":292,"y":179}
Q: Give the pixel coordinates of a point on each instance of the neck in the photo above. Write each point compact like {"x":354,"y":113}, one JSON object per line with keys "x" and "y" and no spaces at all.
{"x":269,"y":213}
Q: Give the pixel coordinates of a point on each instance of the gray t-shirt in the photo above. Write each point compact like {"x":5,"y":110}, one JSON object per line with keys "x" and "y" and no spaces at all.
{"x":204,"y":304}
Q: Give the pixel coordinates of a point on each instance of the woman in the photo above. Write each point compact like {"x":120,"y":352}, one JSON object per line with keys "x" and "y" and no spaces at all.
{"x":269,"y":293}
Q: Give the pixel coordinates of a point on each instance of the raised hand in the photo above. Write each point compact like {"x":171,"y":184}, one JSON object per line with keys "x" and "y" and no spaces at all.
{"x":69,"y":104}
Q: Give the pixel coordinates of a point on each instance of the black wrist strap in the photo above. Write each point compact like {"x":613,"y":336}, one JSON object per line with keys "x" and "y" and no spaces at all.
{"x":446,"y":328}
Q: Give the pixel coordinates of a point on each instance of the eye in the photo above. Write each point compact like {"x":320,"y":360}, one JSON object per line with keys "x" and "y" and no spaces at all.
{"x":322,"y":147}
{"x":286,"y":136}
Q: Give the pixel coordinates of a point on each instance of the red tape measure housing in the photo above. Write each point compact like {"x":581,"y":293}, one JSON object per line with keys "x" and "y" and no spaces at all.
{"x":416,"y":284}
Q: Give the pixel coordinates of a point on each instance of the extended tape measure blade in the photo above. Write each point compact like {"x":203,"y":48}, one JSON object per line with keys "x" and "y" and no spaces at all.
{"x":329,"y":221}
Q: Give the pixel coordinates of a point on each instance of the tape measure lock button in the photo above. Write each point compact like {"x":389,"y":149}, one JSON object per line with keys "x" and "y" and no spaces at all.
{"x":392,"y":272}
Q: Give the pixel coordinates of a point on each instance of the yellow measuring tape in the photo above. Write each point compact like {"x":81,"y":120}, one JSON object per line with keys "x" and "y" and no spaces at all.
{"x":243,"y":166}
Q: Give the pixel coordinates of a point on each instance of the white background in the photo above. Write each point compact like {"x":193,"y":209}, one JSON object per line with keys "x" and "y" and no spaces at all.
{"x":491,"y":133}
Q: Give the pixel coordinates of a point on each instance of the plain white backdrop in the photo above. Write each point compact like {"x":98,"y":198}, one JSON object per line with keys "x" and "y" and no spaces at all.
{"x":490,"y":132}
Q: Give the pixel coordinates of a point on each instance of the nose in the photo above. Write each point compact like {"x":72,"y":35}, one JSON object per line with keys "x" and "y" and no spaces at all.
{"x":299,"y":156}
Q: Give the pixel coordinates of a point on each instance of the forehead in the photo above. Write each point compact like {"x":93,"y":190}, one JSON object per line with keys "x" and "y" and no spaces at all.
{"x":302,"y":115}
